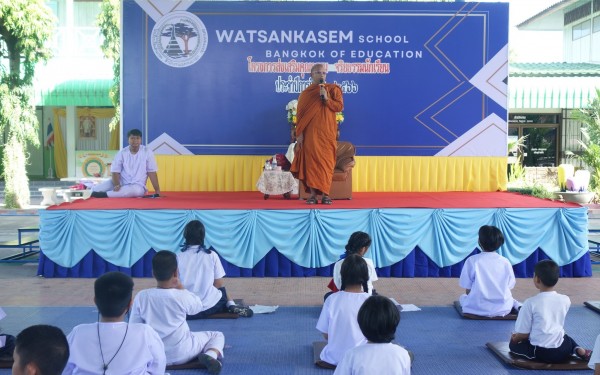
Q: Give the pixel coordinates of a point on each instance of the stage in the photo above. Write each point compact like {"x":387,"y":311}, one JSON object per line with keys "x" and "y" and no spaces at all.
{"x":414,"y":234}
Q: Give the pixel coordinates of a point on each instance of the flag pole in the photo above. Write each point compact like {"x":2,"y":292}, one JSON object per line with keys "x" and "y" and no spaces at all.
{"x":50,"y":170}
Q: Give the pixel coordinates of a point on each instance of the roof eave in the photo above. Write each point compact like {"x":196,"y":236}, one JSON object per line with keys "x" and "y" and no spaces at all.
{"x":550,"y":19}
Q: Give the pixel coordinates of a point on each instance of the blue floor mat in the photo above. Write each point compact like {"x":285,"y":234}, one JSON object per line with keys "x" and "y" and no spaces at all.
{"x":281,"y":343}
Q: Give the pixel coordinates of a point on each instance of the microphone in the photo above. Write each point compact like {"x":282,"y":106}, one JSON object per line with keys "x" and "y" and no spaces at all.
{"x":321,"y":85}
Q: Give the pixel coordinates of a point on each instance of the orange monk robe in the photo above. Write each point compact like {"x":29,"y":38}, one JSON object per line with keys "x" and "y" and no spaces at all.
{"x":314,"y":161}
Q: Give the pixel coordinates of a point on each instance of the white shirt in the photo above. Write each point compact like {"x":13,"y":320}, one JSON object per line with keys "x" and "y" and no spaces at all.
{"x":134,"y":168}
{"x":198,"y":271}
{"x":338,"y":321}
{"x":142,"y":351}
{"x":2,"y":337}
{"x":337,"y":276}
{"x":371,"y":358}
{"x":490,"y":278}
{"x":543,"y":317}
{"x":595,"y":358}
{"x":165,"y":310}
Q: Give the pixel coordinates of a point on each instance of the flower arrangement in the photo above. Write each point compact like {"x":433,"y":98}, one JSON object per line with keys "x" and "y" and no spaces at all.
{"x":292,"y":108}
{"x":574,"y":185}
{"x":570,"y":180}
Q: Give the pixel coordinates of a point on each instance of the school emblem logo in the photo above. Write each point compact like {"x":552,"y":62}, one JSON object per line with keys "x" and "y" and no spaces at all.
{"x":179,"y":39}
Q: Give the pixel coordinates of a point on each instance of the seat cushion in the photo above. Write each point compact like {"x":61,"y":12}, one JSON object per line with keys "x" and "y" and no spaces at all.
{"x":502,"y":351}
{"x":345,"y":156}
{"x":339,"y":176}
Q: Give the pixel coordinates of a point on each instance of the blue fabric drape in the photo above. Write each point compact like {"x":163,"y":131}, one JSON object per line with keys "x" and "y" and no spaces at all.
{"x":416,"y":264}
{"x":313,"y":238}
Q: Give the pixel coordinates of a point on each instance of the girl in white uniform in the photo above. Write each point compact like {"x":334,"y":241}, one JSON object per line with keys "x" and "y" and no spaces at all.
{"x":358,"y":243}
{"x":337,"y":321}
{"x":488,"y":278}
{"x":201,"y":272}
{"x":378,"y":319}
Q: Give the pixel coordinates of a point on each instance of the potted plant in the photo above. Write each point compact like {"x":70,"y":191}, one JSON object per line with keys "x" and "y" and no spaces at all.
{"x":590,"y":155}
{"x":574,"y":185}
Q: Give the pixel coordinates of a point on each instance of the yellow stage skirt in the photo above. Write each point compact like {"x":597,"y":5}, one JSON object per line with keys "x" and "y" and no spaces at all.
{"x":371,"y":173}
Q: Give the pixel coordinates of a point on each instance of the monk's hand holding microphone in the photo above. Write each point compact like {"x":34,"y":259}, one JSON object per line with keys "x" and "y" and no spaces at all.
{"x":323,"y":91}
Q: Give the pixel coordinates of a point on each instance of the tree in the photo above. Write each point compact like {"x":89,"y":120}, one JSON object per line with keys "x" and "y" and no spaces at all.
{"x":185,"y":32}
{"x":25,"y":28}
{"x":108,"y":20}
{"x":590,"y":120}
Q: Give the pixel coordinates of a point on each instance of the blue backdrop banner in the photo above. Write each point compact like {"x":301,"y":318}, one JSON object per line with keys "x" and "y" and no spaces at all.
{"x":418,"y":78}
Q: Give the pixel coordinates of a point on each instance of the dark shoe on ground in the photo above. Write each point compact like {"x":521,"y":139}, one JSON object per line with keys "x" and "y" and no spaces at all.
{"x":311,"y":200}
{"x":212,"y":365}
{"x":326,"y":200}
{"x":242,"y":311}
{"x":99,"y":194}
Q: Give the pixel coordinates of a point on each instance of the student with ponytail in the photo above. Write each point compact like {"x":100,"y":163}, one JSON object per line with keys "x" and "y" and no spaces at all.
{"x":358,"y":243}
{"x":338,"y":319}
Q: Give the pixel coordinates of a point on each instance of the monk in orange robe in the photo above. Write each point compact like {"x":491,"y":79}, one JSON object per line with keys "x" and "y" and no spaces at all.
{"x":316,"y":134}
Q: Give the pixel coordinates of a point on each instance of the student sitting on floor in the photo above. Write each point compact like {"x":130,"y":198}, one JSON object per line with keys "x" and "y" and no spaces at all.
{"x":113,"y":346}
{"x":594,"y":362}
{"x":488,"y":278}
{"x":358,"y":243}
{"x":337,"y":321}
{"x":165,"y":308}
{"x":40,"y":350}
{"x":539,"y":332}
{"x":378,"y":319}
{"x":202,"y":273}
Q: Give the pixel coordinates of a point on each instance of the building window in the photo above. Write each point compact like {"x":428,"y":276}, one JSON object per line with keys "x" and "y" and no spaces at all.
{"x":540,"y":132}
{"x":596,"y":27}
{"x":571,"y":139}
{"x":581,"y":30}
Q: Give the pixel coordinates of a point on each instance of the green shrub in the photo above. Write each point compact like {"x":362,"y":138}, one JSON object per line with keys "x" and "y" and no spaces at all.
{"x":536,"y":190}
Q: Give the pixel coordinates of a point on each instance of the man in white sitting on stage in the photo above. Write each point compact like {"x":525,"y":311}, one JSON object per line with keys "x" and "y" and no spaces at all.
{"x":130,"y":169}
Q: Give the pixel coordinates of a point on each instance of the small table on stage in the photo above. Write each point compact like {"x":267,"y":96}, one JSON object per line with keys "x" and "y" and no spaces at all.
{"x":276,"y":182}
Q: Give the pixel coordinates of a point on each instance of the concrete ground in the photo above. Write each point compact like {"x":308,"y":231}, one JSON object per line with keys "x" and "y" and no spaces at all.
{"x":21,"y":286}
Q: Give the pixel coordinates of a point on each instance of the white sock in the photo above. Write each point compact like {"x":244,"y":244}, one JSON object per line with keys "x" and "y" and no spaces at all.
{"x":211,"y":353}
{"x":230,"y":303}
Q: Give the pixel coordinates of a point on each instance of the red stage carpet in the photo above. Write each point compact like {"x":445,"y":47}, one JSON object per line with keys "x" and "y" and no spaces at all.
{"x":255,"y":201}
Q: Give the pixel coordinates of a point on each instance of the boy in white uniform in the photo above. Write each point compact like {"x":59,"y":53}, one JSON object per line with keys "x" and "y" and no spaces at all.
{"x":358,"y":243}
{"x":201,"y":272}
{"x":337,"y":321}
{"x":40,"y":350}
{"x":539,"y":332}
{"x":378,"y":319}
{"x":165,"y":309}
{"x":130,"y":169}
{"x":594,"y":362}
{"x":488,"y":278}
{"x":113,"y":346}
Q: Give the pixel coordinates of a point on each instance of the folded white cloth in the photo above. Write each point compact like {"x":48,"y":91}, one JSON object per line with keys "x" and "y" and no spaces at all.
{"x":289,"y":155}
{"x":406,"y":307}
{"x":261,"y":309}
